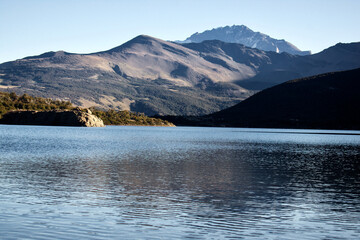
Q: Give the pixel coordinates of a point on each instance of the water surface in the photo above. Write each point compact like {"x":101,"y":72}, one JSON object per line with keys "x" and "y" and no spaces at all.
{"x":178,"y":183}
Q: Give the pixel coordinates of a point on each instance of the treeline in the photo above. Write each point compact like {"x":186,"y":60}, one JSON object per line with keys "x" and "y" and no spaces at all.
{"x":11,"y":102}
{"x":112,"y":117}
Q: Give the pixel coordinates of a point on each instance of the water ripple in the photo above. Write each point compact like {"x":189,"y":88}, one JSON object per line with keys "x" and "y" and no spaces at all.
{"x":184,"y":183}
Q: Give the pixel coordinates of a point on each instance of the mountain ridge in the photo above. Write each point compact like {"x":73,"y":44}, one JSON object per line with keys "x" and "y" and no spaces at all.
{"x":153,"y":76}
{"x":244,"y":35}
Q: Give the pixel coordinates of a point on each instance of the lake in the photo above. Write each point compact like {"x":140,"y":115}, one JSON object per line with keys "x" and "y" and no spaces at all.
{"x":178,"y":183}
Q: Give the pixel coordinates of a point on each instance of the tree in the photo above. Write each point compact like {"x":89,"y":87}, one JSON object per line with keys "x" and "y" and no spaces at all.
{"x":13,"y":96}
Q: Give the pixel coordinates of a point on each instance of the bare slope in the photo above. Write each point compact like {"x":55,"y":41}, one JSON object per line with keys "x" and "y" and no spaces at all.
{"x":158,"y":77}
{"x":145,"y":74}
{"x":273,"y":68}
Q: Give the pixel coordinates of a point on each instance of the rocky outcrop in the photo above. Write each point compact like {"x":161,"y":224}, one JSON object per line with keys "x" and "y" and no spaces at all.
{"x":77,"y":117}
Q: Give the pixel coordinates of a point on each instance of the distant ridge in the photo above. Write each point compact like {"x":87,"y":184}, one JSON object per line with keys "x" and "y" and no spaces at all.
{"x":244,"y":35}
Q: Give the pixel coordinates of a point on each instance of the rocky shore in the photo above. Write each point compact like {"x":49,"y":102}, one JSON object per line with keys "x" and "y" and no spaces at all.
{"x":77,"y":117}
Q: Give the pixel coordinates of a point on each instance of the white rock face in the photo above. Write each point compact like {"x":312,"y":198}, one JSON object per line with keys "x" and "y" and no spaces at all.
{"x":87,"y":119}
{"x":244,"y":35}
{"x":53,"y":118}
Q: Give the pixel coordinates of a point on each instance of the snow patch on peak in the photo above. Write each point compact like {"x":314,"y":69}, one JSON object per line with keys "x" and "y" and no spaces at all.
{"x":244,"y":35}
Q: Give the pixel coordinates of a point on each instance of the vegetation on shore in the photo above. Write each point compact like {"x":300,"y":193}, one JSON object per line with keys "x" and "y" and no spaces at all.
{"x":112,"y":117}
{"x":11,"y":102}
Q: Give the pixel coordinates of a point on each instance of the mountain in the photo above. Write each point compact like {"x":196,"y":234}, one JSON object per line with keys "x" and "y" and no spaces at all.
{"x":283,"y":67}
{"x":144,"y":75}
{"x":153,"y":76}
{"x":329,"y":101}
{"x":270,"y":68}
{"x":244,"y":35}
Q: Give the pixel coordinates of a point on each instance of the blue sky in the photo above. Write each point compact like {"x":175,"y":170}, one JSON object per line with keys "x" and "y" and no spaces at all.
{"x":32,"y":27}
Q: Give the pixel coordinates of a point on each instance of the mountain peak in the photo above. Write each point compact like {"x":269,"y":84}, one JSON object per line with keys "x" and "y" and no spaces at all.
{"x":242,"y":27}
{"x":244,"y":35}
{"x":140,"y":39}
{"x":143,"y":37}
{"x":233,"y":27}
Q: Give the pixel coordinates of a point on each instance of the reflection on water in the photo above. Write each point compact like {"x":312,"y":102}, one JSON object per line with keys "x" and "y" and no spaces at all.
{"x":138,"y":182}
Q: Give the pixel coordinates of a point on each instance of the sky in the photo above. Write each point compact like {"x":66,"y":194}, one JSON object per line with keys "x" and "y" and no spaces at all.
{"x":32,"y":27}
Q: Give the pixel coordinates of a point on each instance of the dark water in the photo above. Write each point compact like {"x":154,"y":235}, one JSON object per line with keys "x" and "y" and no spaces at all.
{"x":178,"y":183}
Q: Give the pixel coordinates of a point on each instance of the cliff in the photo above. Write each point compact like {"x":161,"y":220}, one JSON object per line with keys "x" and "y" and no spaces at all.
{"x":53,"y":118}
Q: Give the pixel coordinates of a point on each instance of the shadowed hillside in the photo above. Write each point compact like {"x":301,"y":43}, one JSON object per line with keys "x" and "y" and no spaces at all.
{"x":329,"y":100}
{"x":326,"y":101}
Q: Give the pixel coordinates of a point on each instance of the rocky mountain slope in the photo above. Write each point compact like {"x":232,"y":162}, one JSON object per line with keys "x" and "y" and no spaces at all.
{"x":284,"y":67}
{"x":244,"y":35}
{"x":158,"y":77}
{"x":144,"y":75}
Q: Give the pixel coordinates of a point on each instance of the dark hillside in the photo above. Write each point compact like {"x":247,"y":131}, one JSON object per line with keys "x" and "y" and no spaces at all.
{"x":329,"y":100}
